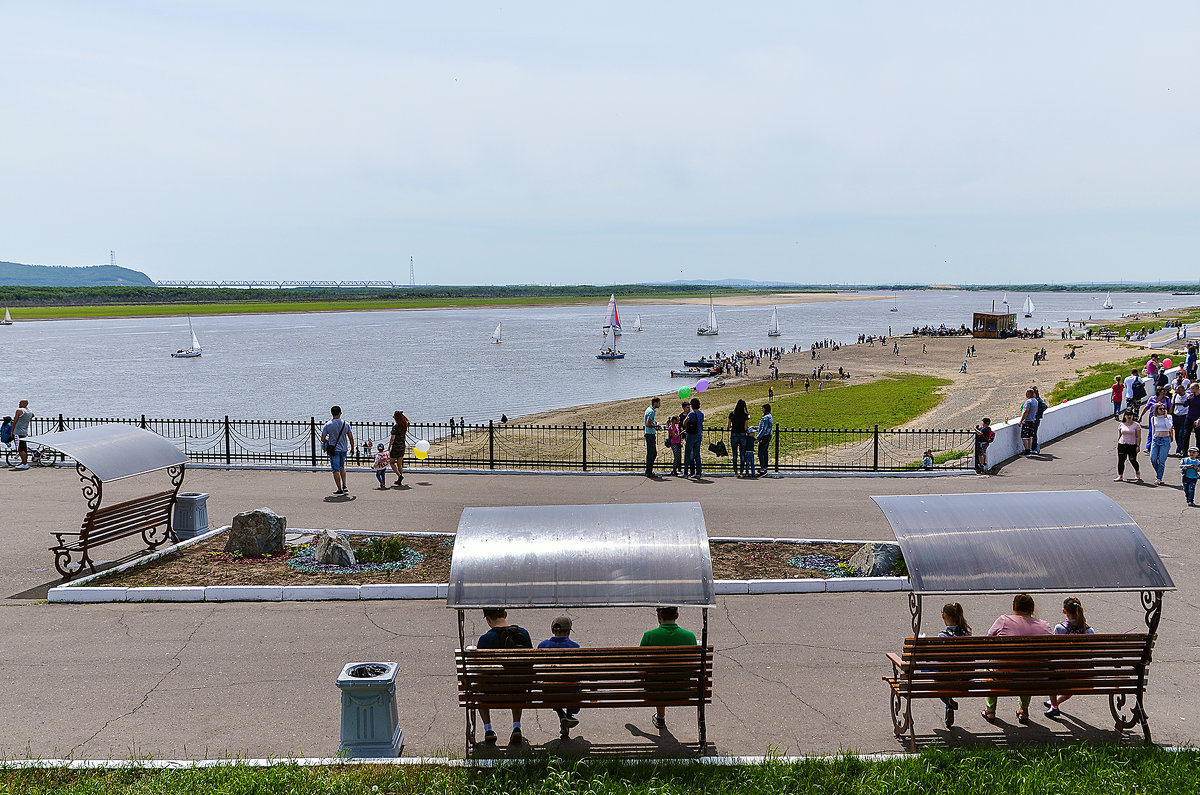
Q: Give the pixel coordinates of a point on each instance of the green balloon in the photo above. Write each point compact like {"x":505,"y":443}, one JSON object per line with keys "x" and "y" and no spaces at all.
{"x":684,"y":392}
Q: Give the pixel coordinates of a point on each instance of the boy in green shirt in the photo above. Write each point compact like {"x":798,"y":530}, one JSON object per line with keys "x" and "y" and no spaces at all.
{"x":667,"y":633}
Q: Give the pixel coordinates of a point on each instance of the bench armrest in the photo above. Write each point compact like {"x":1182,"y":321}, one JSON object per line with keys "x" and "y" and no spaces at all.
{"x":897,"y":663}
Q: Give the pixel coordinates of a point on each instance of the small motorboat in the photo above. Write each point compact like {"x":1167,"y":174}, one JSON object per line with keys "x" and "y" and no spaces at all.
{"x":700,"y":363}
{"x":694,"y":373}
{"x":610,"y":353}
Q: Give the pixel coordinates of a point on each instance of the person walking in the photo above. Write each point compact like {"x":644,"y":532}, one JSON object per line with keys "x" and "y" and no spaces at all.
{"x":693,"y":425}
{"x":652,"y":429}
{"x":397,"y":443}
{"x":338,"y":440}
{"x":1179,"y":410}
{"x":766,"y":429}
{"x":1162,"y":432}
{"x":739,"y":418}
{"x":1190,"y":469}
{"x":1129,"y":439}
{"x":1193,"y":414}
{"x":1118,"y":392}
{"x":20,"y":429}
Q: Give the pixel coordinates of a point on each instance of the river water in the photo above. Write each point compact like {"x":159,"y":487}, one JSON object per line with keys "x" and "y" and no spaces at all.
{"x":438,"y":363}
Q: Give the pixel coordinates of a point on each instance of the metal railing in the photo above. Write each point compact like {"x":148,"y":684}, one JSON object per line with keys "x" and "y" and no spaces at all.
{"x":509,"y":446}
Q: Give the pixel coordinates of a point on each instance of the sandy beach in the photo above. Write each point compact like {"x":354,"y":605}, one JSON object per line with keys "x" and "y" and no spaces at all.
{"x":994,"y":384}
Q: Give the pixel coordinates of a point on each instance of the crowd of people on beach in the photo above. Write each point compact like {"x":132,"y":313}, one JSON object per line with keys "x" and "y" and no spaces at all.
{"x":941,"y":331}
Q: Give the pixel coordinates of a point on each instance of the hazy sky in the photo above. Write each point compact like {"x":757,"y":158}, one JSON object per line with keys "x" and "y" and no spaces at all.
{"x":565,"y":142}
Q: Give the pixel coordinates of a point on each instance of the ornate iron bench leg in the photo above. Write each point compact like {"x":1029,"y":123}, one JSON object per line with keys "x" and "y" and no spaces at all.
{"x":902,"y":718}
{"x":1140,"y":710}
{"x":703,"y":729}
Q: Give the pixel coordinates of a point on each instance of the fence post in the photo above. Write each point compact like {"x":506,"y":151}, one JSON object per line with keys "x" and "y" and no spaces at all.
{"x":227,"y":459}
{"x":491,"y":444}
{"x":585,"y":446}
{"x":875,"y":465}
{"x":143,"y":426}
{"x":61,"y":425}
{"x":776,"y":435}
{"x":312,"y":439}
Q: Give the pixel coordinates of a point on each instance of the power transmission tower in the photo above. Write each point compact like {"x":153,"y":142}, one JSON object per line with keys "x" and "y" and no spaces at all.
{"x":412,"y":276}
{"x":112,"y":258}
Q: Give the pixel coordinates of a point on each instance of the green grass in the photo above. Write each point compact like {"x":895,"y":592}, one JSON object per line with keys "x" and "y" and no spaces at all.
{"x":1100,"y":376}
{"x":1061,"y":769}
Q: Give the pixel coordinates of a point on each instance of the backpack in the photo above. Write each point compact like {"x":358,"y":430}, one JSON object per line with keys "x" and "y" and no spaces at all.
{"x":6,"y":434}
{"x":1139,"y":389}
{"x":1041,"y":408}
{"x":689,"y":425}
{"x":513,"y":638}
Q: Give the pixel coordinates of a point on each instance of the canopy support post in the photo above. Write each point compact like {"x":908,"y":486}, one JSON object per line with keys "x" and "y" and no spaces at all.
{"x":470,"y":713}
{"x":914,"y":609}
{"x":701,"y":724}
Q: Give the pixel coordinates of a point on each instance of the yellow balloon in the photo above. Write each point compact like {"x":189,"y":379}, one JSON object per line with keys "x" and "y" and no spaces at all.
{"x":420,"y":454}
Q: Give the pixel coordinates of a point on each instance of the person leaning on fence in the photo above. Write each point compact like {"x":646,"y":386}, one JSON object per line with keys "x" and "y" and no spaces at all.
{"x":983,"y":437}
{"x":502,"y":635}
{"x":766,"y":429}
{"x":652,"y":427}
{"x":560,"y":629}
{"x":667,"y":633}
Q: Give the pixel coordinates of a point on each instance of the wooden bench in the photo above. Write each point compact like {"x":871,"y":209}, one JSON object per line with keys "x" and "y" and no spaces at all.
{"x":596,"y":678}
{"x":1043,"y":665}
{"x":112,"y":523}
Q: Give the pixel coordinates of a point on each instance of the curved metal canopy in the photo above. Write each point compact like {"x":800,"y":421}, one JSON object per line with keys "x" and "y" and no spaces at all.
{"x":1029,"y":542}
{"x":581,"y":556}
{"x":115,"y":450}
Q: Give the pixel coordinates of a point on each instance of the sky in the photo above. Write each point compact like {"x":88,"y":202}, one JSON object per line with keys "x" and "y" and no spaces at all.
{"x":551,"y":142}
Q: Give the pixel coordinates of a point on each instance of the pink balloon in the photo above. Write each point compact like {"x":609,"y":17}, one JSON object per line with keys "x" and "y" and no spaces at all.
{"x":702,"y":385}
{"x":1167,"y":363}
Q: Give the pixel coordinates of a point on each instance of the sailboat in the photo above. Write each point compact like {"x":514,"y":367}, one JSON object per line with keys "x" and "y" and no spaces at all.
{"x":773,"y":327}
{"x":1005,"y":300}
{"x":496,"y":334}
{"x":895,"y":305}
{"x":1028,"y":306}
{"x":192,"y":352}
{"x":637,"y":323}
{"x":7,"y":321}
{"x":612,"y":322}
{"x":709,"y":330}
{"x":1108,"y":304}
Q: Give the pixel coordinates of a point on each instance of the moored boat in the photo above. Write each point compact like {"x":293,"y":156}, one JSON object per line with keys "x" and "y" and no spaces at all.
{"x":694,"y":373}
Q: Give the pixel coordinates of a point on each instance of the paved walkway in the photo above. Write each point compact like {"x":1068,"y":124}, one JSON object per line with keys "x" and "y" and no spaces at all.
{"x":797,"y":673}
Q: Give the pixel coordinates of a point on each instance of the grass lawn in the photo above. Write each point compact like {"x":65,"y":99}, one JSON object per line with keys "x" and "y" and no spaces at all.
{"x":1100,"y":376}
{"x":1063,"y":770}
{"x":891,"y":401}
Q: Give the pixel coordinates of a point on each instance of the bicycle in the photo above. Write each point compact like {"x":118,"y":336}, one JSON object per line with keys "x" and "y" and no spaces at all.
{"x":38,"y":457}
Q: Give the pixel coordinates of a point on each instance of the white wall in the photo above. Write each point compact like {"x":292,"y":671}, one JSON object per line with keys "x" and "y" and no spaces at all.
{"x":1057,"y":421}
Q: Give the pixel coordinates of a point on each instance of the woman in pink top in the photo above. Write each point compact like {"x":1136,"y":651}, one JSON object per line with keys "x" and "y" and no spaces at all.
{"x":1021,"y":622}
{"x":1129,"y":439}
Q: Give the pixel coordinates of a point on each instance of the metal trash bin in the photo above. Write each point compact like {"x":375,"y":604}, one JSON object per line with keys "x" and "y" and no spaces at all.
{"x":191,"y":515}
{"x":370,"y":724}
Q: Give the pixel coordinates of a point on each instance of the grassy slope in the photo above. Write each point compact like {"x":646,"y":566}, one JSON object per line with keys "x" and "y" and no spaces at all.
{"x":1100,"y":376}
{"x":1064,"y":770}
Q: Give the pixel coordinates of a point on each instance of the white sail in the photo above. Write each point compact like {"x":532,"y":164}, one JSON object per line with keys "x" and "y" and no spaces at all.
{"x":193,"y":351}
{"x":612,"y":320}
{"x":7,"y":318}
{"x":195,"y":342}
{"x":637,"y":323}
{"x":1108,"y":304}
{"x":1028,"y":307}
{"x":496,"y":333}
{"x":773,"y":328}
{"x":1005,"y":300}
{"x":711,"y":328}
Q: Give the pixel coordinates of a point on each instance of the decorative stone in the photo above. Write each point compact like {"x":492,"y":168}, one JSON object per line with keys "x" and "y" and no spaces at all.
{"x":333,"y":550}
{"x":257,"y":533}
{"x":876,"y":560}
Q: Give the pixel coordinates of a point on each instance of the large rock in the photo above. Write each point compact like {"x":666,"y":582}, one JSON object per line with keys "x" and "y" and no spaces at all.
{"x":257,"y":533}
{"x":333,"y":549}
{"x":876,"y":560}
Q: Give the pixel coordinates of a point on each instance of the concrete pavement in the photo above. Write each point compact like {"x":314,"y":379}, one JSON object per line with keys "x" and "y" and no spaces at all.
{"x":797,"y":673}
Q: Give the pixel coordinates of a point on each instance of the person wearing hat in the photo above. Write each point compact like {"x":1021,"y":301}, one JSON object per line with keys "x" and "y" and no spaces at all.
{"x":1190,"y":467}
{"x":561,"y":639}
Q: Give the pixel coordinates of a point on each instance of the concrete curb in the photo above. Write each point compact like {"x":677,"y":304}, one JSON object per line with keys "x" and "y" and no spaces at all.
{"x":81,"y":592}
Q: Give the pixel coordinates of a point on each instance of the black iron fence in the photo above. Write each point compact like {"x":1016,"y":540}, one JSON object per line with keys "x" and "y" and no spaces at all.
{"x":501,"y":446}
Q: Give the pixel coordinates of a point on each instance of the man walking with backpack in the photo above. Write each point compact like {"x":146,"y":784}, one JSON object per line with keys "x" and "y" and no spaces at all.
{"x":338,"y":441}
{"x":502,"y":635}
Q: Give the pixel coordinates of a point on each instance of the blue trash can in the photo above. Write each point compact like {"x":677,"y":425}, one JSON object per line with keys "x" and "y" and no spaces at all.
{"x":191,"y":515}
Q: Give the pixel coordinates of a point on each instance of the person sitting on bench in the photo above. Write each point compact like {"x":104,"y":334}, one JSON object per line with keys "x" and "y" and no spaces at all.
{"x":561,"y":630}
{"x":502,"y":635}
{"x":667,"y":633}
